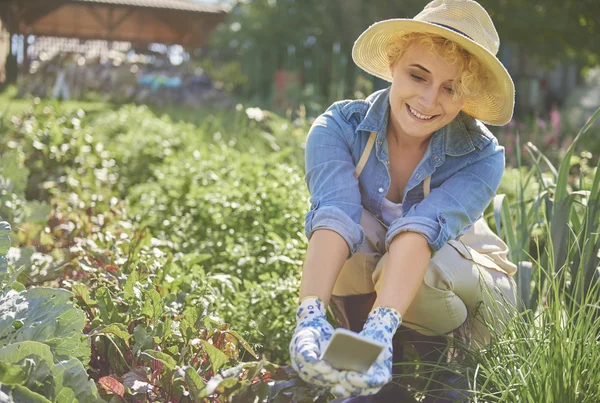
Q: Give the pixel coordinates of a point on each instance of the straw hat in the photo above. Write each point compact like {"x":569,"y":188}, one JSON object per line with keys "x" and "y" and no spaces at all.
{"x":462,"y":21}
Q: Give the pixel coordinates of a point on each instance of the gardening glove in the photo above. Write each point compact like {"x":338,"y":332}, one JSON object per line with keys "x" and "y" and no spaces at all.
{"x":310,"y":339}
{"x":381,"y":325}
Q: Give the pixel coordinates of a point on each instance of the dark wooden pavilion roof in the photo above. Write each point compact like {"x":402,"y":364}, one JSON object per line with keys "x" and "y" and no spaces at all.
{"x":182,"y":22}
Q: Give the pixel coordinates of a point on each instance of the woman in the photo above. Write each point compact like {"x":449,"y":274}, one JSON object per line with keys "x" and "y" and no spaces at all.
{"x":398,"y":185}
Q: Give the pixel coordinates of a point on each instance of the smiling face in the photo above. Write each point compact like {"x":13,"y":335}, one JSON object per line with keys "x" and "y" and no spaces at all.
{"x":422,"y":96}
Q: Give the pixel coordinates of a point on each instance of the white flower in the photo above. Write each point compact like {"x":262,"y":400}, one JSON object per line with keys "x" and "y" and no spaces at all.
{"x":255,"y":113}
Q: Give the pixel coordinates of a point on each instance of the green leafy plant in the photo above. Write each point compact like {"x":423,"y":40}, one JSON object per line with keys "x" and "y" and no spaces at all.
{"x":143,"y":301}
{"x":570,"y":227}
{"x":43,"y":352}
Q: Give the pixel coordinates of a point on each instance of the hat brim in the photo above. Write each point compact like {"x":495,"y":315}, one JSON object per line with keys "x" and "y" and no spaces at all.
{"x":494,"y":106}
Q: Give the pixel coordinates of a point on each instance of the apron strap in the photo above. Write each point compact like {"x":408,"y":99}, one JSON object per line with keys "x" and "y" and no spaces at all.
{"x":426,"y":186}
{"x":365,"y":155}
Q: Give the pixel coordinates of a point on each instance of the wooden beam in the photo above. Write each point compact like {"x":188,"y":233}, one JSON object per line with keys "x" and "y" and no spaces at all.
{"x":14,"y":17}
{"x":175,"y":24}
{"x":113,"y":25}
{"x":123,"y":23}
{"x":109,"y":30}
{"x":38,"y":11}
{"x":97,"y":16}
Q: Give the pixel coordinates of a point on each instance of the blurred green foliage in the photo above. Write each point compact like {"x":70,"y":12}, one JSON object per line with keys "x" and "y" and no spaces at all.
{"x":315,"y":38}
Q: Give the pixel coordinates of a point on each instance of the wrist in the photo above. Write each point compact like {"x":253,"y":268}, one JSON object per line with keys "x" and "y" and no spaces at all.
{"x":386,"y":317}
{"x":309,"y":307}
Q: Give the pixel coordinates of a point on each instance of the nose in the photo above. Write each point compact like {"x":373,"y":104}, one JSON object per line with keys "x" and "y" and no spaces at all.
{"x":428,"y":98}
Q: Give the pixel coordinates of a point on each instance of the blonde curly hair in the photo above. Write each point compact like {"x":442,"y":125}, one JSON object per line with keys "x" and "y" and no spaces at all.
{"x":473,"y":77}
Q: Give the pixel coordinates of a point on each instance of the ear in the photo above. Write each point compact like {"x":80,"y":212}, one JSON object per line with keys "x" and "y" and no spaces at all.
{"x":393,"y":67}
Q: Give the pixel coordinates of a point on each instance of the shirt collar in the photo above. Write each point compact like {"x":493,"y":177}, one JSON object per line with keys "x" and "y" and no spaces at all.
{"x":452,"y":139}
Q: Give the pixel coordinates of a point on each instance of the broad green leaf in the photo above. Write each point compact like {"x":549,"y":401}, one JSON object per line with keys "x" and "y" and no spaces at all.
{"x":20,"y":394}
{"x":143,"y":339}
{"x":82,"y":292}
{"x":243,"y":342}
{"x":41,"y":362}
{"x":75,"y":345}
{"x":48,"y":316}
{"x":118,"y":329}
{"x":217,"y":357}
{"x":219,"y":384}
{"x":153,"y":305}
{"x":73,"y":375}
{"x":16,"y":286}
{"x":15,"y":374}
{"x":164,"y":328}
{"x":187,"y":325}
{"x":195,"y":384}
{"x":108,"y":310}
{"x":64,"y":381}
{"x":166,"y":359}
{"x":130,"y":284}
{"x":15,"y":352}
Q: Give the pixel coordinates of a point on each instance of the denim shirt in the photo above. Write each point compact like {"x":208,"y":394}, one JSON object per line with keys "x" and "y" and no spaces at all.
{"x":463,"y":158}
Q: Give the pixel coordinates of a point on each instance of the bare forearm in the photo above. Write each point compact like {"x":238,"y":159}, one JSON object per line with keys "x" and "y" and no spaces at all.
{"x":409,"y":257}
{"x":327,"y":251}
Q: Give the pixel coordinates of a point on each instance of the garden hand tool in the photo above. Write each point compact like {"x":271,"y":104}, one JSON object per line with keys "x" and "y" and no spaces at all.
{"x":381,"y":325}
{"x":311,"y":336}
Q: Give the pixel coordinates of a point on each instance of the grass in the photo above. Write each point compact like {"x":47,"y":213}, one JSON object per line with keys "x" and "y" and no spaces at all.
{"x":10,"y":105}
{"x":550,"y":350}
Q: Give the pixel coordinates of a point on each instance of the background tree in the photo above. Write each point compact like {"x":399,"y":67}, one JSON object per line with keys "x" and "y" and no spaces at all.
{"x":315,"y":38}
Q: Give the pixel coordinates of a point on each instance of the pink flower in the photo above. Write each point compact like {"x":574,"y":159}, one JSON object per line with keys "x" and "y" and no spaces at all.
{"x":555,"y":117}
{"x":555,"y":120}
{"x":541,"y":123}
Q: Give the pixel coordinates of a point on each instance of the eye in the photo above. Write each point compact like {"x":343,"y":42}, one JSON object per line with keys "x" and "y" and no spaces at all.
{"x":449,"y":90}
{"x":417,"y":78}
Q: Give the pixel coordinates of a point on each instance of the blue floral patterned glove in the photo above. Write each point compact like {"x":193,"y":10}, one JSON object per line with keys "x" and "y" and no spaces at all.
{"x":381,"y":325}
{"x":310,"y":339}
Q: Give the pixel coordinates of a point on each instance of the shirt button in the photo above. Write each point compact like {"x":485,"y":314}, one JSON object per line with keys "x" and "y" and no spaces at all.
{"x":380,"y":190}
{"x":379,"y":142}
{"x":436,"y":158}
{"x":388,"y":163}
{"x":418,"y":176}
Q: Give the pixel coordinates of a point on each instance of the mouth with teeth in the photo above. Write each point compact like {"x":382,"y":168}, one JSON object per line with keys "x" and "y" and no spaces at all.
{"x":419,"y":116}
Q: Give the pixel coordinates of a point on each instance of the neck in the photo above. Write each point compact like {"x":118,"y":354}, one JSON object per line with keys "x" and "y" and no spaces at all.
{"x":399,"y":139}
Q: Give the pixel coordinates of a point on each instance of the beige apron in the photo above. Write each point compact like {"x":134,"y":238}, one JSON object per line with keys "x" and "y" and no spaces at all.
{"x":468,"y":278}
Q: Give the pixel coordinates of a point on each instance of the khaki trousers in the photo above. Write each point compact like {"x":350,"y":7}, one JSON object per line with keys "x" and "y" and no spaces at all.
{"x":460,"y":283}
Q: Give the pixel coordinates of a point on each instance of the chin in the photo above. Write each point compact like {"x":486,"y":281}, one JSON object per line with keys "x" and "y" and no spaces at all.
{"x":414,"y":128}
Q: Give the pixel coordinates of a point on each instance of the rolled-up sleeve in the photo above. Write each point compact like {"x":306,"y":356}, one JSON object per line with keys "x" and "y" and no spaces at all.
{"x":335,"y":195}
{"x":457,"y":203}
